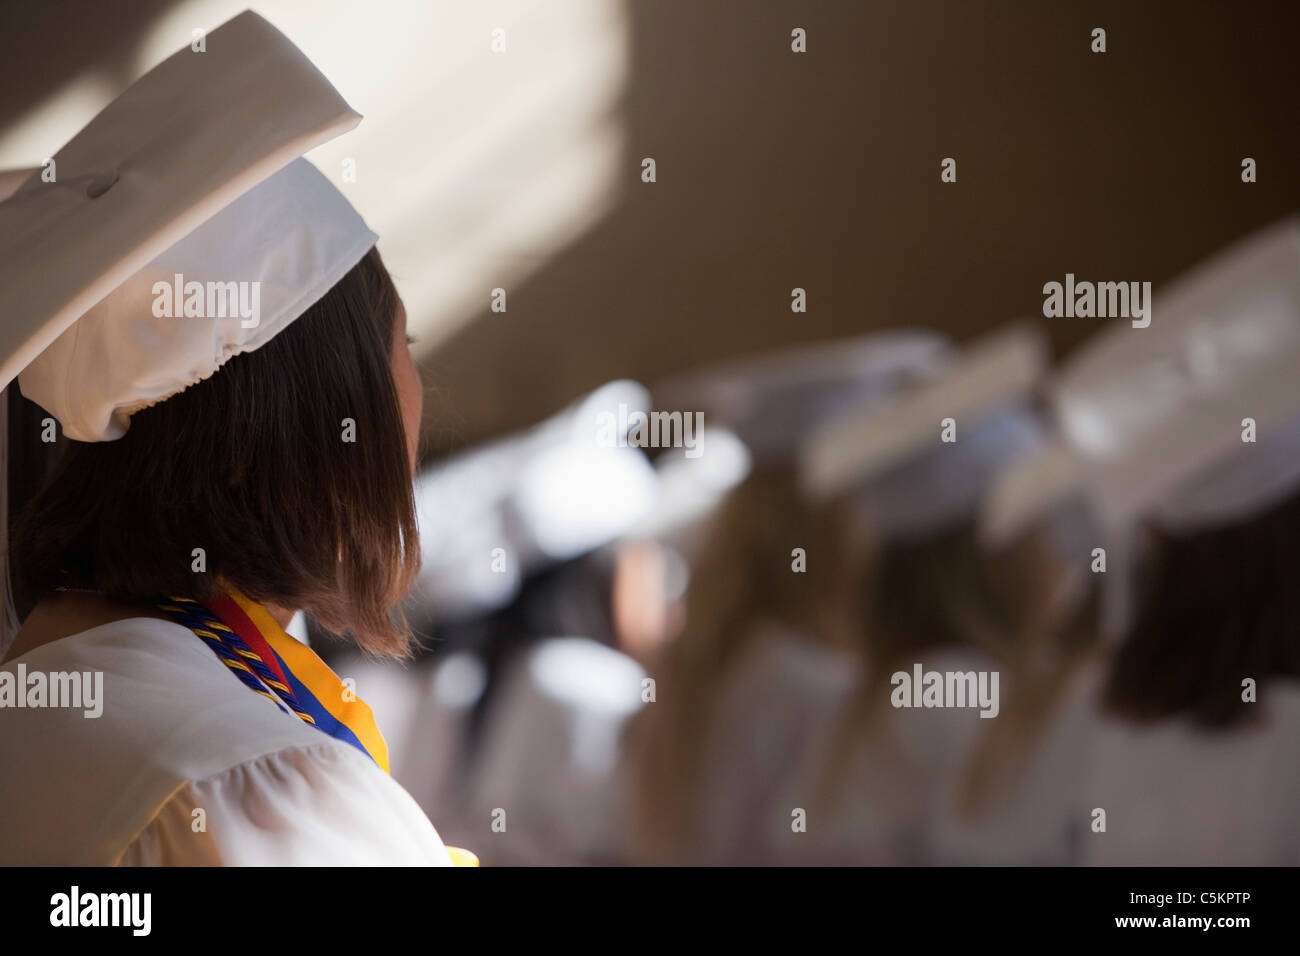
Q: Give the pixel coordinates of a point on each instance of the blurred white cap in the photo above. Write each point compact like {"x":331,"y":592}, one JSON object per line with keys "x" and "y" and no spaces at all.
{"x":1152,"y":419}
{"x":891,"y":453}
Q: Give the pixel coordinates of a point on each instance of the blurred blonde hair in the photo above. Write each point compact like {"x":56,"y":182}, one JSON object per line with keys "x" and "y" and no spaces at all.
{"x":741,"y":578}
{"x":1023,"y":606}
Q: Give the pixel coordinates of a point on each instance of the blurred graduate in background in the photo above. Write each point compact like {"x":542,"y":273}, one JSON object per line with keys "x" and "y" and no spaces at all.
{"x":1117,"y":559}
{"x":774,"y":608}
{"x":889,"y":781}
{"x":1183,"y":439}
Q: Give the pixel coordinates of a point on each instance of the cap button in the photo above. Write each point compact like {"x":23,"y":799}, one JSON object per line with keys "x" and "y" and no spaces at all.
{"x":101,"y":184}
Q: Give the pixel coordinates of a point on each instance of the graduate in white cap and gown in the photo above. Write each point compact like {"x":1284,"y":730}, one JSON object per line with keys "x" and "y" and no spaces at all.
{"x":773,"y":607}
{"x":899,"y":760}
{"x":1183,"y":438}
{"x":201,"y":323}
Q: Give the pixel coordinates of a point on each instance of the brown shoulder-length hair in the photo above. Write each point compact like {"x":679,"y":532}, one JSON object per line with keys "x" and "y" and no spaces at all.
{"x":252,"y":466}
{"x":1215,"y":606}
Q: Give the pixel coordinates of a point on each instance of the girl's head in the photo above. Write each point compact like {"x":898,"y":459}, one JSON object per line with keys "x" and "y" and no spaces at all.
{"x":286,"y":475}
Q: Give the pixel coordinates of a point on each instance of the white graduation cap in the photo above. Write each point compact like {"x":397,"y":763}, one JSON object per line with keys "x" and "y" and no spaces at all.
{"x":543,"y":496}
{"x":892,"y":452}
{"x":194,"y":171}
{"x":1152,"y":420}
{"x":770,"y":401}
{"x":191,"y":180}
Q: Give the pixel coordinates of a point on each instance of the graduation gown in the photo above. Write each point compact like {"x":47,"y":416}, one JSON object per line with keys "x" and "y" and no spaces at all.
{"x":186,"y":766}
{"x":1179,"y":795}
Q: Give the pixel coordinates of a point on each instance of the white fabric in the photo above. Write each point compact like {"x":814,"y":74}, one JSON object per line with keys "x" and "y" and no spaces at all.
{"x":936,"y":489}
{"x":1260,"y":477}
{"x":1151,"y":419}
{"x":1150,"y":408}
{"x":316,"y":805}
{"x":549,"y":753}
{"x":1048,"y":476}
{"x":894,"y":783}
{"x":1036,"y":813}
{"x":1145,"y":413}
{"x":772,"y":400}
{"x":294,"y":235}
{"x":180,"y":144}
{"x":544,"y":495}
{"x":779,"y":702}
{"x":179,"y":732}
{"x":858,"y":446}
{"x":1176,"y":795}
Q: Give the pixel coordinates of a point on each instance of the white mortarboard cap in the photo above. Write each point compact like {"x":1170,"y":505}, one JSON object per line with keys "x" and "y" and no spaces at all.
{"x":546,"y":495}
{"x":689,"y":488}
{"x":891,"y":452}
{"x":1151,"y":419}
{"x":771,"y":401}
{"x":191,"y":171}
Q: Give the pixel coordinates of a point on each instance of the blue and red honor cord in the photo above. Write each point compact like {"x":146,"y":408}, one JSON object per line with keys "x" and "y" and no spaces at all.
{"x":244,"y":637}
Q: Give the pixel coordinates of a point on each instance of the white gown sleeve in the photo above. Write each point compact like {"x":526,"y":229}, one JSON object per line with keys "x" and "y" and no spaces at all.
{"x":322,"y":804}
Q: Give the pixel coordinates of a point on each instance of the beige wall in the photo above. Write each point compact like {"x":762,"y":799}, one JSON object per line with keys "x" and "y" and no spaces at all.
{"x":821,"y":170}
